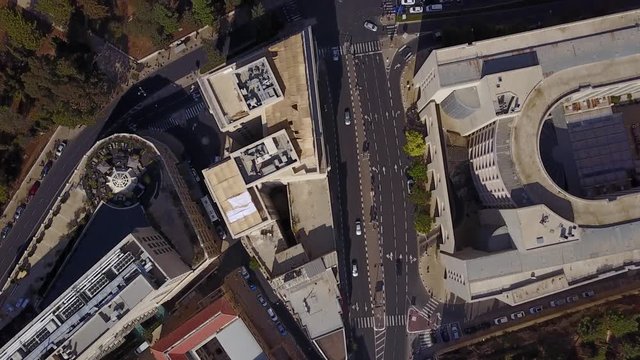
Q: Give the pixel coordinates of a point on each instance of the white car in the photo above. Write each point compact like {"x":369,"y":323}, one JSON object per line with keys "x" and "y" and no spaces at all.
{"x":354,"y":269}
{"x":500,"y":320}
{"x":536,"y":309}
{"x":572,"y":298}
{"x":358,"y":228}
{"x":272,"y":314}
{"x":60,"y":148}
{"x":433,"y":8}
{"x":335,"y":52}
{"x":370,"y":26}
{"x":517,"y":315}
{"x":415,"y":10}
{"x":455,"y":331}
{"x":407,"y":2}
{"x":557,"y":302}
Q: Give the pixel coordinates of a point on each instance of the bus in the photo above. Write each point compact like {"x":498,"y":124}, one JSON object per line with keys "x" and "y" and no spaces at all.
{"x":208,"y":207}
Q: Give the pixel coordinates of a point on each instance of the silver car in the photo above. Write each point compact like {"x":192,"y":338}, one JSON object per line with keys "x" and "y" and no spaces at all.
{"x":370,"y":26}
{"x":358,"y":227}
{"x":347,"y":116}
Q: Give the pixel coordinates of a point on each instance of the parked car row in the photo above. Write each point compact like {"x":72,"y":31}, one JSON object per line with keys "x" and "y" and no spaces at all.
{"x":262,"y":300}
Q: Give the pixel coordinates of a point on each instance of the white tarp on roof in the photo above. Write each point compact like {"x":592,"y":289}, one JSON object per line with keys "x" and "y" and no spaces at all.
{"x":242,"y":206}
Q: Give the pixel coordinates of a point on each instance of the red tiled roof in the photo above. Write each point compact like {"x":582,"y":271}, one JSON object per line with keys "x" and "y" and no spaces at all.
{"x":194,"y":331}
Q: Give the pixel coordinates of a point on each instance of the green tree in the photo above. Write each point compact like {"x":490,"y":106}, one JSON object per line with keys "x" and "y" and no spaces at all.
{"x":415,"y":146}
{"x":629,"y":351}
{"x":254,"y":264}
{"x":4,"y":194}
{"x":419,"y":196}
{"x":166,"y":19}
{"x":418,"y":171}
{"x":93,"y":9}
{"x":257,"y":11}
{"x":202,"y":12}
{"x":620,"y":325}
{"x":21,"y":32}
{"x":591,"y":329}
{"x":422,"y":221}
{"x":58,"y":11}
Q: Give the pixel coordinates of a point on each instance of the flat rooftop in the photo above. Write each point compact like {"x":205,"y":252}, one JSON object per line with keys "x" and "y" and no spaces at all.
{"x":269,"y":156}
{"x":240,"y":206}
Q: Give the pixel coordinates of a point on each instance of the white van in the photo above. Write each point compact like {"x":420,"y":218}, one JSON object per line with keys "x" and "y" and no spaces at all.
{"x":433,"y":8}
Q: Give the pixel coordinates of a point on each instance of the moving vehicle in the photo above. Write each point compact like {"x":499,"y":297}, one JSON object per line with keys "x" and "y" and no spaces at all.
{"x":517,"y":315}
{"x":281,"y":329}
{"x":588,"y":294}
{"x":5,"y":230}
{"x":500,"y":320}
{"x":535,"y":309}
{"x":354,"y":268}
{"x":45,"y":169}
{"x":370,"y":26}
{"x":60,"y":148}
{"x":262,"y":300}
{"x":272,"y":314}
{"x":557,"y":302}
{"x":433,"y":8}
{"x":347,"y":116}
{"x":415,"y":10}
{"x":358,"y":227}
{"x":335,"y":52}
{"x":399,"y":267}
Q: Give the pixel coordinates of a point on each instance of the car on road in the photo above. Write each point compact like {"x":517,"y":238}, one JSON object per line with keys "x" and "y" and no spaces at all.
{"x":358,"y":227}
{"x":535,"y":309}
{"x":444,"y":334}
{"x":33,"y":190}
{"x":60,"y":148}
{"x":19,"y":211}
{"x":434,"y":336}
{"x":407,"y":2}
{"x":410,"y":183}
{"x":557,"y":302}
{"x":45,"y":169}
{"x":221,"y":233}
{"x":455,"y":331}
{"x":281,"y":329}
{"x":500,"y":320}
{"x":272,"y":314}
{"x":5,"y":230}
{"x":347,"y":116}
{"x":399,"y":267}
{"x":484,"y":325}
{"x":244,"y":273}
{"x":370,"y":26}
{"x":517,"y":315}
{"x":588,"y":294}
{"x":416,"y":10}
{"x":262,"y":300}
{"x":354,"y":268}
{"x":335,"y":52}
{"x":251,"y":286}
{"x":433,"y":8}
{"x":572,"y":298}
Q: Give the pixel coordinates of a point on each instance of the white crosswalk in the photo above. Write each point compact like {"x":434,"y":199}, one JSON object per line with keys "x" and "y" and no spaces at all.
{"x":178,"y":118}
{"x":363,"y":322}
{"x":368,"y":47}
{"x":424,"y":340}
{"x":328,"y":51}
{"x":395,"y":320}
{"x":430,"y":308}
{"x":380,"y":341}
{"x":194,"y":110}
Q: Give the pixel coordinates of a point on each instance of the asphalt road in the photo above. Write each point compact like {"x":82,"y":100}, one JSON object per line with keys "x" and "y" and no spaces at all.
{"x":15,"y":243}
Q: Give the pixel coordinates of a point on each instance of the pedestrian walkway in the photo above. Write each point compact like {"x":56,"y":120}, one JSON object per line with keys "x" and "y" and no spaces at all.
{"x":430,"y":308}
{"x":379,"y":337}
{"x":178,"y":118}
{"x":396,"y":320}
{"x":424,"y":340}
{"x":365,"y":48}
{"x":328,"y":51}
{"x":362,"y":322}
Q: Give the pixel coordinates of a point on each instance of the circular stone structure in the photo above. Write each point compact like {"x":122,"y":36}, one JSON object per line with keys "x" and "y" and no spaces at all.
{"x":527,"y":163}
{"x":120,"y":181}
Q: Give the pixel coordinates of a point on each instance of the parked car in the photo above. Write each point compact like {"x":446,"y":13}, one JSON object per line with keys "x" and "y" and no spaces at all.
{"x":572,"y":298}
{"x":347,"y":116}
{"x":354,"y":268}
{"x":407,"y":2}
{"x":455,"y":331}
{"x":410,"y":183}
{"x":45,"y":169}
{"x":536,"y":309}
{"x":244,"y":273}
{"x":588,"y":294}
{"x":33,"y":190}
{"x":370,"y":26}
{"x":5,"y":230}
{"x":416,"y":10}
{"x":433,"y":8}
{"x":500,"y":320}
{"x":272,"y":314}
{"x":358,"y":227}
{"x":335,"y":52}
{"x":281,"y":329}
{"x":517,"y":315}
{"x":19,"y":211}
{"x":470,"y":330}
{"x":484,"y":325}
{"x":557,"y":302}
{"x":444,"y":334}
{"x":60,"y":148}
{"x":251,"y":286}
{"x":262,"y":300}
{"x":434,"y":336}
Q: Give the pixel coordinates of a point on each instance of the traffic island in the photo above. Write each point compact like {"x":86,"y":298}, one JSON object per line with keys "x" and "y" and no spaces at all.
{"x":417,"y":322}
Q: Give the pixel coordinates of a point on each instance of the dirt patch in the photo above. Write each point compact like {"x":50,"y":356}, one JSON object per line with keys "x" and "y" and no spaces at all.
{"x":139,"y":46}
{"x":32,"y":151}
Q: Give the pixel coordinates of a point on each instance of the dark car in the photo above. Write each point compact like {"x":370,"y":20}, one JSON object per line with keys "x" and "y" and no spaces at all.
{"x":251,"y":285}
{"x":221,"y":233}
{"x":434,"y":337}
{"x":46,"y":168}
{"x":281,"y":328}
{"x":399,"y":267}
{"x":484,"y":325}
{"x":470,"y":330}
{"x":33,"y":190}
{"x":19,"y":211}
{"x":5,"y":230}
{"x":444,"y":333}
